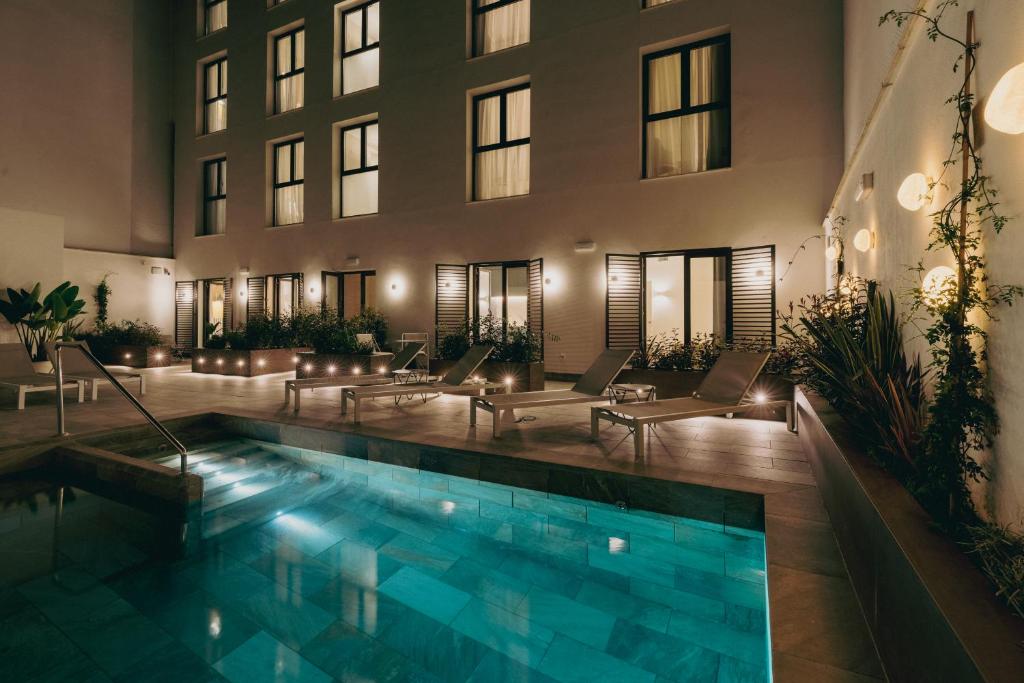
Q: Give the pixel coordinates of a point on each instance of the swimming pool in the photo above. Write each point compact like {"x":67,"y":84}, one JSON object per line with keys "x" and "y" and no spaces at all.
{"x":318,"y":567}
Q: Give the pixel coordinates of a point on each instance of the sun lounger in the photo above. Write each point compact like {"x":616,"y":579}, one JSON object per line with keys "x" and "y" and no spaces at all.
{"x":452,"y":383}
{"x":16,"y":370}
{"x":723,"y":392}
{"x":77,"y":367}
{"x":590,"y":388}
{"x":294,"y":387}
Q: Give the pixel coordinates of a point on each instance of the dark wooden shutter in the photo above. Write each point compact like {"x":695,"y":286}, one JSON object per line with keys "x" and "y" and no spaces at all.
{"x":256,"y":301}
{"x":184,"y":314}
{"x":451,"y":295}
{"x":535,"y":300}
{"x":229,"y":304}
{"x":753,"y":294}
{"x":624,"y":301}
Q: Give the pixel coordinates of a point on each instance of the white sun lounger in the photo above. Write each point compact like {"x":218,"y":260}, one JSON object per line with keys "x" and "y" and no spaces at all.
{"x":721,"y":393}
{"x":16,"y":370}
{"x":452,"y":383}
{"x":590,"y":388}
{"x":77,"y":367}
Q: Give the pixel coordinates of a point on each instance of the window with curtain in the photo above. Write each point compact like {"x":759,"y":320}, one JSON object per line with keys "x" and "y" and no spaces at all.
{"x":360,"y":47}
{"x":215,"y":196}
{"x":289,"y":176}
{"x":686,"y":109}
{"x":215,"y":15}
{"x":215,"y":95}
{"x":499,"y":24}
{"x":289,"y":70}
{"x":501,"y":143}
{"x":283,"y":294}
{"x":655,"y":3}
{"x":359,"y":169}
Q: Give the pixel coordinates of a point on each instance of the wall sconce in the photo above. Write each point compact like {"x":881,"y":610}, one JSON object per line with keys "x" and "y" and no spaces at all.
{"x":831,"y":253}
{"x":865,"y":186}
{"x":242,"y":293}
{"x":244,"y":270}
{"x":314,"y":291}
{"x":394,"y":285}
{"x":1005,"y":108}
{"x":351,"y":261}
{"x":547,"y":281}
{"x":864,"y":239}
{"x":915,"y":192}
{"x":935,"y":284}
{"x":584,"y":246}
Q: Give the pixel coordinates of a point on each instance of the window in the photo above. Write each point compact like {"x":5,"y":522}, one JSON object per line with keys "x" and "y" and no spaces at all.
{"x":655,"y":3}
{"x":215,"y":95}
{"x":501,"y":290}
{"x":686,"y":109}
{"x":289,"y":70}
{"x":359,"y":169}
{"x":215,"y":196}
{"x":499,"y":24}
{"x":686,"y":294}
{"x":501,"y":143}
{"x":283,"y":294}
{"x":215,"y":15}
{"x":215,"y":308}
{"x":349,"y":293}
{"x":288,"y":178}
{"x":360,"y":47}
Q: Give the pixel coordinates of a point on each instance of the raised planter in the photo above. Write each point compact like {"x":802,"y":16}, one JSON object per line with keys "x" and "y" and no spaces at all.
{"x":525,"y":376}
{"x":313,"y":364}
{"x":135,"y":356}
{"x":682,"y":383}
{"x":243,"y":363}
{"x":934,"y":616}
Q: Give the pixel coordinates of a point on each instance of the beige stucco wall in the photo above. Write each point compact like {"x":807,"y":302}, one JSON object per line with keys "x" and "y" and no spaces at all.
{"x":30,"y":252}
{"x":912,"y":134}
{"x":584,"y":65}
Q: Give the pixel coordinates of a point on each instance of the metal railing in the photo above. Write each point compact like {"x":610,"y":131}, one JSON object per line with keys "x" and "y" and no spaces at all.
{"x":59,"y":373}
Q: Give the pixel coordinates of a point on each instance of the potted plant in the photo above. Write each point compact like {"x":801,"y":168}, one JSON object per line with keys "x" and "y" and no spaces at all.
{"x":39,"y":321}
{"x":133,"y":343}
{"x":518,"y":351}
{"x":336,"y":348}
{"x":262,"y":346}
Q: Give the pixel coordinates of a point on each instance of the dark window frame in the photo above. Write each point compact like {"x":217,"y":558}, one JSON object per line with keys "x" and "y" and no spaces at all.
{"x":219,"y":165}
{"x":478,"y":10}
{"x":688,"y":255}
{"x":205,"y":289}
{"x":503,"y":141}
{"x":363,"y":168}
{"x":685,"y":109}
{"x":273,"y":294}
{"x":208,"y":6}
{"x":295,"y":71}
{"x":474,"y":291}
{"x":365,"y":47}
{"x":341,"y":274}
{"x":222,"y":89}
{"x":275,"y":185}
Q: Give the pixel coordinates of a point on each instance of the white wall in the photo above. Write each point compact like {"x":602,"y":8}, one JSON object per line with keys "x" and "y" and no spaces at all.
{"x":912,"y":134}
{"x":30,"y":253}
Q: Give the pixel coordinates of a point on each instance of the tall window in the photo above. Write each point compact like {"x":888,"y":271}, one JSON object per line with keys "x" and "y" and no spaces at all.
{"x":500,"y":24}
{"x":501,"y":143}
{"x":283,"y":294}
{"x":360,"y":47}
{"x":215,"y":95}
{"x":501,"y":290}
{"x":289,"y":70}
{"x":215,"y":196}
{"x":349,"y":293}
{"x":686,"y":293}
{"x":686,"y":109}
{"x":359,"y":169}
{"x":289,"y":176}
{"x":215,"y":15}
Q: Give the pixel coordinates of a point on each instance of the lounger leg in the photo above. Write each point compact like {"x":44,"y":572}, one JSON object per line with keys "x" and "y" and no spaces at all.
{"x":344,"y":402}
{"x":595,"y":426}
{"x":790,"y":418}
{"x":142,"y":385}
{"x":496,"y":429}
{"x":355,"y":409}
{"x":21,"y":398}
{"x":81,"y":391}
{"x":287,"y":393}
{"x":638,"y":442}
{"x":94,"y":389}
{"x":472,"y":412}
{"x":296,"y":398}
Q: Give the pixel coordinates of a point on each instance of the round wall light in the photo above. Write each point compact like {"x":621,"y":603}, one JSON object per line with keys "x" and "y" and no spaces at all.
{"x":913,"y":193}
{"x":831,"y":253}
{"x":936,"y":284}
{"x":1005,"y":108}
{"x":864,"y":240}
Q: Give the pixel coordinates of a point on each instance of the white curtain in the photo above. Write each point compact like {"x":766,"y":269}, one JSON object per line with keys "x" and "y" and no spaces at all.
{"x":291,"y":90}
{"x":665,"y":83}
{"x":215,"y":216}
{"x":359,"y":194}
{"x":503,"y":172}
{"x":504,"y":27}
{"x":217,"y":17}
{"x":216,"y":116}
{"x":360,"y":71}
{"x":288,"y":205}
{"x":290,"y":93}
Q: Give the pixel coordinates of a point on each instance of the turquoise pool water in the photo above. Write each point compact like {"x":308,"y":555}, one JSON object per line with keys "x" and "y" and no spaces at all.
{"x":318,"y":567}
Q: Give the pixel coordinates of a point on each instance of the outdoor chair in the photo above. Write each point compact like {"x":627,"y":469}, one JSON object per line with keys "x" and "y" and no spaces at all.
{"x":453,"y":382}
{"x":400,"y":361}
{"x":77,"y":367}
{"x":590,"y":388}
{"x":16,"y":370}
{"x":723,"y":392}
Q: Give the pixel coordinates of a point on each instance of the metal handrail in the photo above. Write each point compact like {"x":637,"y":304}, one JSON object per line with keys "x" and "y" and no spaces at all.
{"x":59,"y":372}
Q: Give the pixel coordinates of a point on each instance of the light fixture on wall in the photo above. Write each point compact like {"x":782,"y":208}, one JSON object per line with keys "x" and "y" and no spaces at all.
{"x":865,"y":186}
{"x":831,"y":253}
{"x":936,"y":283}
{"x":242,"y":293}
{"x":584,"y":246}
{"x":351,"y":261}
{"x":1005,"y":108}
{"x":864,"y":239}
{"x":915,"y":192}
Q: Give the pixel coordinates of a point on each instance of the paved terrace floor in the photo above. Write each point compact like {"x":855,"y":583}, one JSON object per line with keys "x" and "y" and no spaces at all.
{"x":818,"y":632}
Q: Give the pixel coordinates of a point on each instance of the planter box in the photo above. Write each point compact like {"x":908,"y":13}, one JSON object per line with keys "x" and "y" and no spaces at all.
{"x":525,"y":376}
{"x":682,"y":383}
{"x":240,"y":363}
{"x":934,"y":616}
{"x":135,"y":356}
{"x":313,"y":364}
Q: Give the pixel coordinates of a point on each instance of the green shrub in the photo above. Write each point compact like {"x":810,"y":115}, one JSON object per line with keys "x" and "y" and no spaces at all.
{"x":333,"y":334}
{"x":452,"y":344}
{"x":126,"y":333}
{"x":261,"y":332}
{"x":371,"y":321}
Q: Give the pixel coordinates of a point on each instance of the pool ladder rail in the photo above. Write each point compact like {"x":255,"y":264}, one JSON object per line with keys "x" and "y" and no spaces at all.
{"x":84,"y":350}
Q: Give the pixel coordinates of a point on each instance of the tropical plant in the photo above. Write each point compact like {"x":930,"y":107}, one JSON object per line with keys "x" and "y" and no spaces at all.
{"x":452,"y":344}
{"x":333,"y":334}
{"x":126,"y":333}
{"x":102,"y":298}
{"x":38,"y":322}
{"x":999,"y":552}
{"x":371,"y":321}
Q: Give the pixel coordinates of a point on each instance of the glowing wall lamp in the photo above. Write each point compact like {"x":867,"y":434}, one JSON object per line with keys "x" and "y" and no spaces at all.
{"x":864,"y":239}
{"x":936,"y":284}
{"x":831,"y":253}
{"x":914,"y":192}
{"x":1005,"y":108}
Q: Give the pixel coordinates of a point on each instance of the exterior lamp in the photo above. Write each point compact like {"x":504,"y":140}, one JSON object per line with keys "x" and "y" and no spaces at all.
{"x":295,"y":359}
{"x":355,"y":370}
{"x":864,"y":239}
{"x":308,"y":367}
{"x":240,"y":363}
{"x":1005,"y":108}
{"x":936,"y":284}
{"x":915,"y":191}
{"x":159,"y":356}
{"x":127,"y":356}
{"x":331,"y":369}
{"x":220,"y":361}
{"x":508,"y":381}
{"x":261,"y":362}
{"x":831,"y":253}
{"x":382,"y":369}
{"x":760,"y":397}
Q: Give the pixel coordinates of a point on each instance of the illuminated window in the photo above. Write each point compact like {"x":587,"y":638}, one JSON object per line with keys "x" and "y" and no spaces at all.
{"x":500,"y":24}
{"x":288,"y":181}
{"x":215,"y":196}
{"x":360,"y":47}
{"x":501,"y":143}
{"x":215,"y":15}
{"x":359,"y":169}
{"x":289,"y":70}
{"x":215,"y":95}
{"x":349,"y":293}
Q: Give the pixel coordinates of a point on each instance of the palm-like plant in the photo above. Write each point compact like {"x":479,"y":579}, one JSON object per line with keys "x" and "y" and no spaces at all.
{"x":38,"y":322}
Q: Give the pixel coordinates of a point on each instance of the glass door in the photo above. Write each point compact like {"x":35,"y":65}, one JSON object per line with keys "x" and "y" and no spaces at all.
{"x":349,"y":293}
{"x":686,"y":294}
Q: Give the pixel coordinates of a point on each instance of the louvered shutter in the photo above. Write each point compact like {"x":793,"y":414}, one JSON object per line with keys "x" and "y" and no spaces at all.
{"x":256,"y":301}
{"x":451,"y":295}
{"x":184,"y":314}
{"x":753,"y":294}
{"x":229,"y":304}
{"x":624,"y":301}
{"x":535,"y":301}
